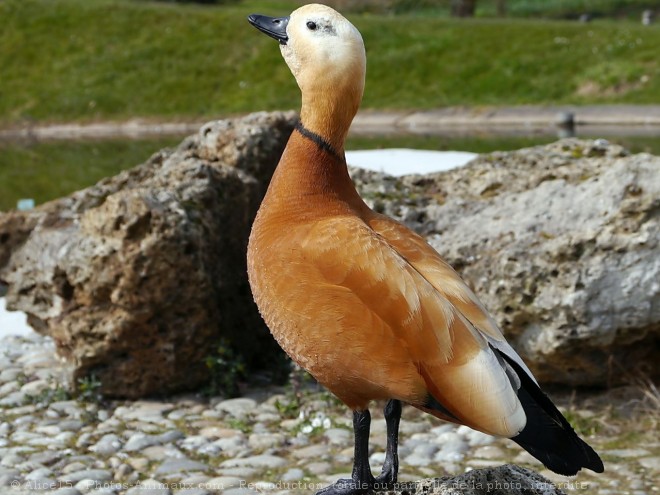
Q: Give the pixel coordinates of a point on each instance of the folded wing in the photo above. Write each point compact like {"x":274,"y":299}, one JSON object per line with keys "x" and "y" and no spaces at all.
{"x":546,"y":434}
{"x":452,"y":357}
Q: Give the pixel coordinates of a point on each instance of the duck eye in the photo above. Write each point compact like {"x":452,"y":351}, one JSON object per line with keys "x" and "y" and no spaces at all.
{"x":311,"y":25}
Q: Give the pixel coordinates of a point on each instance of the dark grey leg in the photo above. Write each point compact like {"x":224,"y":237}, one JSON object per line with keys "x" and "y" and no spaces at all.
{"x":362,"y":480}
{"x":388,"y":475}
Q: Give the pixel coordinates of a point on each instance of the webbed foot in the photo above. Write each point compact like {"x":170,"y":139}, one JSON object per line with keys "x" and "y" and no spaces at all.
{"x":347,"y":487}
{"x":385,"y":480}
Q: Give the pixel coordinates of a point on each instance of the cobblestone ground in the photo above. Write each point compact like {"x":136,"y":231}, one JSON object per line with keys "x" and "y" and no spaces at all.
{"x":263,"y":442}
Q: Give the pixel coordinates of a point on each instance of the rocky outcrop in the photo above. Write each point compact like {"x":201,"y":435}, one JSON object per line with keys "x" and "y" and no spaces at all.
{"x":508,"y":479}
{"x":562,"y":244}
{"x":139,"y":277}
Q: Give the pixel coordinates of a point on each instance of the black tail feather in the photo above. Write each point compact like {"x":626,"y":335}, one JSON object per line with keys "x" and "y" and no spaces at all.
{"x":547,"y":435}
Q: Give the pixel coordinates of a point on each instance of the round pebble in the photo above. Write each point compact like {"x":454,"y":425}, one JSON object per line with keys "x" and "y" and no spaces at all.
{"x":238,"y":408}
{"x":338,"y":436}
{"x":172,"y":465}
{"x":262,"y":441}
{"x":260,"y":461}
{"x":86,"y":474}
{"x":65,"y":491}
{"x":294,"y":474}
{"x":651,"y":463}
{"x":108,"y":444}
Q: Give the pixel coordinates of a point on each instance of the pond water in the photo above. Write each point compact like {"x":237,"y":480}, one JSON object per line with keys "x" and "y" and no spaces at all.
{"x":636,"y":139}
{"x":45,"y":170}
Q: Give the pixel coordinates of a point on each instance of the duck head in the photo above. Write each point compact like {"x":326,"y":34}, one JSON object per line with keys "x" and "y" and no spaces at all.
{"x":326,"y":55}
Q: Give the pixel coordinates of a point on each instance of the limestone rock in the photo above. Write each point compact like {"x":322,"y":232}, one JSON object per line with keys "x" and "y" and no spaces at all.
{"x":561,"y":243}
{"x":508,"y":479}
{"x":138,"y":277}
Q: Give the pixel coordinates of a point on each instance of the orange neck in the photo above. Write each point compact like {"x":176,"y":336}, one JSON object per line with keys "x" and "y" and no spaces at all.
{"x":329,"y":111}
{"x":310,"y":179}
{"x":312,"y":173}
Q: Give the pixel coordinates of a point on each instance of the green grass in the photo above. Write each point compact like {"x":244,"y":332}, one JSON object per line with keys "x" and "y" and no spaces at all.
{"x":45,"y":171}
{"x":499,"y":62}
{"x":553,"y":9}
{"x":88,"y":60}
{"x":569,"y":8}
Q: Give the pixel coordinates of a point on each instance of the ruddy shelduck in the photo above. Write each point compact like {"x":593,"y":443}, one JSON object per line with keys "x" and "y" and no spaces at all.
{"x":365,"y":304}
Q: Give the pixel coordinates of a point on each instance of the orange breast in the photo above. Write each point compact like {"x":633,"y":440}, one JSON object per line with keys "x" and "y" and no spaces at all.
{"x":325,"y":327}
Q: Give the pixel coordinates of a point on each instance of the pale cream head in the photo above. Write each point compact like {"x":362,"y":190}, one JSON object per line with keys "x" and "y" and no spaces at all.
{"x":325,"y":53}
{"x":323,"y":47}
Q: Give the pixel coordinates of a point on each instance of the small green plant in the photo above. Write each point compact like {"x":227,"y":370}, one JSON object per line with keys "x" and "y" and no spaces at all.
{"x":22,"y":379}
{"x":288,"y":409}
{"x":226,"y":368}
{"x":303,"y":399}
{"x":298,"y":377}
{"x":298,"y":386}
{"x":55,"y":393}
{"x":88,"y":389}
{"x":240,"y":424}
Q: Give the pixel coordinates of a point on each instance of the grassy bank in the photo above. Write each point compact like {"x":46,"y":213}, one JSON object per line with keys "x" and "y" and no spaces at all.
{"x":548,"y":9}
{"x":115,"y":59}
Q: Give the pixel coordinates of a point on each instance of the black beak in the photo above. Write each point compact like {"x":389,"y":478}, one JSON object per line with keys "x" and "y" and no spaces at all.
{"x":275,"y":27}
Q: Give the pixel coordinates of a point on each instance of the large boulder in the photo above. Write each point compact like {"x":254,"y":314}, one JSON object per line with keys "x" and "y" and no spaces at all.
{"x":562,"y":244}
{"x":139,"y":277}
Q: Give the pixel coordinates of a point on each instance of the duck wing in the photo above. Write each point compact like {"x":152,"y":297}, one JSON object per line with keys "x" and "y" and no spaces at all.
{"x":464,"y":377}
{"x":547,"y":435}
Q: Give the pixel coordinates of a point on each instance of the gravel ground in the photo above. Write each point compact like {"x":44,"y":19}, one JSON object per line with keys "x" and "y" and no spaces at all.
{"x":263,"y":443}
